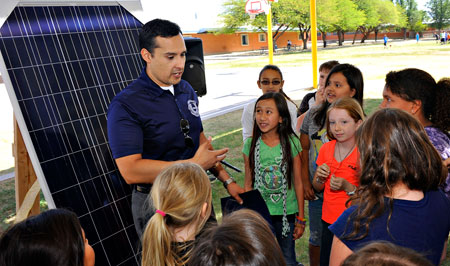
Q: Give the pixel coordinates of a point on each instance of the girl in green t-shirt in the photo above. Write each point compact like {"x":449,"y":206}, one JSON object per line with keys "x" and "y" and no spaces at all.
{"x":272,"y":165}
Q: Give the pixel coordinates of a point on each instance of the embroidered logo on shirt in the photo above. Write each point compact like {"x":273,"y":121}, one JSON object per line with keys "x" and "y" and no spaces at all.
{"x":192,"y":106}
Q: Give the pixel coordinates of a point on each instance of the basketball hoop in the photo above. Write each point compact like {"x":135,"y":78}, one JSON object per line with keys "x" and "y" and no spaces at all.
{"x":254,"y":7}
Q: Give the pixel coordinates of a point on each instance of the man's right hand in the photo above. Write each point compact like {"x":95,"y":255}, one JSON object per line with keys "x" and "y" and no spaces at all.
{"x":207,"y":158}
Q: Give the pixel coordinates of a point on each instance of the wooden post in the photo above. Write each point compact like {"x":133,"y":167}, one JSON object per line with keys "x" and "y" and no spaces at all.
{"x":24,"y":171}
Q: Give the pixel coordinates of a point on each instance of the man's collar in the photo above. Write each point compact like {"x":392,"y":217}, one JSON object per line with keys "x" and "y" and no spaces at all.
{"x":155,"y":89}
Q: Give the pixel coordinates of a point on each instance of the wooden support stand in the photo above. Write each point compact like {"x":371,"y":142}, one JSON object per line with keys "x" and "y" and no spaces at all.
{"x":24,"y":171}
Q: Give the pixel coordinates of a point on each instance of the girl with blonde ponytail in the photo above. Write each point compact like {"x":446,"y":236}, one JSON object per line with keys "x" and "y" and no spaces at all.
{"x":181,"y":196}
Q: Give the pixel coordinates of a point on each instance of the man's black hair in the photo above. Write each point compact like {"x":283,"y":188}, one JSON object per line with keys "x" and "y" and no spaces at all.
{"x":154,"y":28}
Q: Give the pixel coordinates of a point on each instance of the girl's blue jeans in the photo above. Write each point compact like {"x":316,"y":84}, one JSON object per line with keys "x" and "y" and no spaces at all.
{"x":287,"y":244}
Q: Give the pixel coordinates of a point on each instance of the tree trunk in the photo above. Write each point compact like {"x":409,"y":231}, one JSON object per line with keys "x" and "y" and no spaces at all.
{"x":365,"y":36}
{"x":340,"y":34}
{"x":354,"y":36}
{"x":324,"y":38}
{"x":404,"y":33}
{"x":376,"y":35}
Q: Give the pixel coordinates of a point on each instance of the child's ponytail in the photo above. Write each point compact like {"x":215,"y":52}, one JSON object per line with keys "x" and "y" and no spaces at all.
{"x":178,"y":195}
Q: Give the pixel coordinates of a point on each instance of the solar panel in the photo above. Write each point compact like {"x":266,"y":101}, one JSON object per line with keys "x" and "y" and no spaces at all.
{"x":62,"y":66}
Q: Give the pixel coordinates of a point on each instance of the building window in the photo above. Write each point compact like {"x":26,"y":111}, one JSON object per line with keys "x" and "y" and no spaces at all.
{"x":244,"y":39}
{"x":262,"y":37}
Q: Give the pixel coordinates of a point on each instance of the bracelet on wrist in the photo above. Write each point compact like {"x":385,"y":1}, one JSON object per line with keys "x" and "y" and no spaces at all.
{"x":300,"y":221}
{"x":319,"y":181}
{"x":228,"y":181}
{"x":351,"y":193}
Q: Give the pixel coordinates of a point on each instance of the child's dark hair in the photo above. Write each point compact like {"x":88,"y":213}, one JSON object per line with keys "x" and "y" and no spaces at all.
{"x":355,"y":81}
{"x":284,"y":131}
{"x":156,"y":28}
{"x":394,"y":148}
{"x":328,"y":65}
{"x":275,"y":68}
{"x":53,"y":237}
{"x":413,"y":84}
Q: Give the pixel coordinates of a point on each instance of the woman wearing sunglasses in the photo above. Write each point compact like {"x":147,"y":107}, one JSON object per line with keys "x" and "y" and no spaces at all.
{"x":270,"y":80}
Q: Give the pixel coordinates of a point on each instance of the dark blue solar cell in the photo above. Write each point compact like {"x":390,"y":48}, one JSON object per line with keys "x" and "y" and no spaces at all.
{"x":61,"y":106}
{"x":72,"y":140}
{"x":118,"y":254}
{"x":97,"y":194}
{"x":59,"y":174}
{"x":71,"y":105}
{"x":99,"y":134}
{"x":71,"y":198}
{"x":79,"y":127}
{"x":56,"y":138}
{"x":114,"y":225}
{"x":80,"y":166}
{"x":117,"y":185}
{"x":43,"y":111}
{"x":32,"y":114}
{"x":38,"y":149}
{"x":124,"y":204}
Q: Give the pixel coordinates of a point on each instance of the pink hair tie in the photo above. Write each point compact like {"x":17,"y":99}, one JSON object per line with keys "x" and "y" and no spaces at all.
{"x":161,"y":212}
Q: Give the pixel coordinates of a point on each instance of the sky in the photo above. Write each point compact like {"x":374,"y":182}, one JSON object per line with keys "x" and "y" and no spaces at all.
{"x":190,"y":15}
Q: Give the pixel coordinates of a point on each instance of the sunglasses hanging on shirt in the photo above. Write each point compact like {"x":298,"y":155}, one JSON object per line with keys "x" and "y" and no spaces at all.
{"x":188,"y":141}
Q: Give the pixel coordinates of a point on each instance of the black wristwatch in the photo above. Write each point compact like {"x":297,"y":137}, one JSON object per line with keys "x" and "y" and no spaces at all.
{"x":228,"y":181}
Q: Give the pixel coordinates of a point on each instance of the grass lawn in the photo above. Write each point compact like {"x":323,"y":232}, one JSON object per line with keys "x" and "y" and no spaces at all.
{"x":226,"y":130}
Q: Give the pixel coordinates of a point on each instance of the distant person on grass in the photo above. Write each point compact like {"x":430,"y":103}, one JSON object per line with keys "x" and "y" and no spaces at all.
{"x":385,"y":41}
{"x":270,"y":80}
{"x":272,"y":166}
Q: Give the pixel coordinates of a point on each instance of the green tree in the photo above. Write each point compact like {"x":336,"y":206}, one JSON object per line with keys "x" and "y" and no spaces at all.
{"x":378,"y":13}
{"x":414,"y":17}
{"x":439,"y":12}
{"x":327,"y":17}
{"x":349,"y":18}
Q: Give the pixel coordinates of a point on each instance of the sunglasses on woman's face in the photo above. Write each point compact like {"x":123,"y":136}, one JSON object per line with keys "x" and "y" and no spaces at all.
{"x":267,"y":82}
{"x":188,"y":141}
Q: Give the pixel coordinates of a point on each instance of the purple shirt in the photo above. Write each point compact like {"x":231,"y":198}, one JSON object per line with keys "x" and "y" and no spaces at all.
{"x":442,"y":144}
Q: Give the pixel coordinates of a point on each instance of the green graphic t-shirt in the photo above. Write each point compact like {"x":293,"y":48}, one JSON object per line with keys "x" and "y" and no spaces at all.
{"x":272,"y":176}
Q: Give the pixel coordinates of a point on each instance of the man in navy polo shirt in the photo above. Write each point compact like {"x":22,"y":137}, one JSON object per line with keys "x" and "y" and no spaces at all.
{"x":155,"y":121}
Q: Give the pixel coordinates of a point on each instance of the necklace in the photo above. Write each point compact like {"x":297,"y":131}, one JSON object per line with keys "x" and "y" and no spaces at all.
{"x":259,"y":183}
{"x":339,"y":152}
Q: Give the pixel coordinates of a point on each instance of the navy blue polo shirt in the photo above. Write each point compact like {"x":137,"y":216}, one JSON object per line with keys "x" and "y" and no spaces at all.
{"x":145,"y":119}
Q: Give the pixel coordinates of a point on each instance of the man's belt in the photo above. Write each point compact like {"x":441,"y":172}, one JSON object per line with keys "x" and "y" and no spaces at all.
{"x":143,"y":188}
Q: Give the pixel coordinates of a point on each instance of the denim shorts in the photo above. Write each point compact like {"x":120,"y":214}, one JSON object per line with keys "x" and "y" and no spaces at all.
{"x":315,"y":221}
